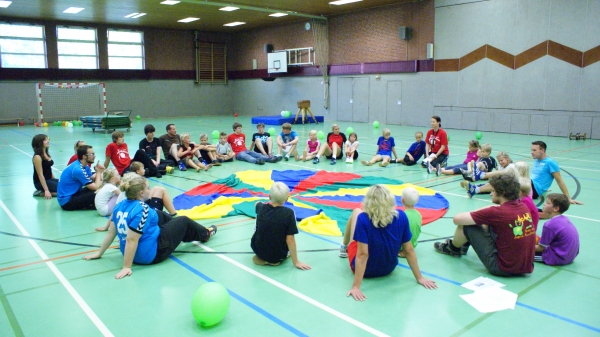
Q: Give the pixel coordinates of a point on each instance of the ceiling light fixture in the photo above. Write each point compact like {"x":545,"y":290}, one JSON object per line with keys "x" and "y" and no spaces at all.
{"x":139,"y":15}
{"x":5,"y":4}
{"x":276,"y":15}
{"x":170,"y":2}
{"x":343,"y":2}
{"x":186,"y":20}
{"x":232,"y":24}
{"x":229,"y":9}
{"x":131,"y":15}
{"x":73,"y":10}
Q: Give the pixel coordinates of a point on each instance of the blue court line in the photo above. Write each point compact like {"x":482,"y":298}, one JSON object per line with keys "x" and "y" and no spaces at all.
{"x":541,"y":311}
{"x":168,"y":185}
{"x":243,"y":300}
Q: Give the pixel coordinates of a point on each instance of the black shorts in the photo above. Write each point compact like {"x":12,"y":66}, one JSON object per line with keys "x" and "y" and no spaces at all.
{"x":84,"y":199}
{"x":408,"y":162}
{"x":155,"y":203}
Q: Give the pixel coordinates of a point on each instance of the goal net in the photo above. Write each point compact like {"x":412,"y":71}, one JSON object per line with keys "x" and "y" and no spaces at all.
{"x":58,"y":101}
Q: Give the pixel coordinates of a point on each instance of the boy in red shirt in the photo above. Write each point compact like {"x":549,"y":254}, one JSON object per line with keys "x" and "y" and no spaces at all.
{"x":237,"y":140}
{"x":118,"y":153}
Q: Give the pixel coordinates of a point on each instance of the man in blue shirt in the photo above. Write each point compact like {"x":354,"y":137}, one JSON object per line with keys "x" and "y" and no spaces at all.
{"x":77,"y":184}
{"x":544,"y":171}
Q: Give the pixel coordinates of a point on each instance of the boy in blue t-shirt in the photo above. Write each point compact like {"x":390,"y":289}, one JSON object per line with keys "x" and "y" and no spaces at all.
{"x":287,"y":141}
{"x":385,"y":148}
{"x":414,"y":152}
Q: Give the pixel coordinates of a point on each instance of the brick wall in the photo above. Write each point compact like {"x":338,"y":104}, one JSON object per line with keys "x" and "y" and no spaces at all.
{"x":365,"y":36}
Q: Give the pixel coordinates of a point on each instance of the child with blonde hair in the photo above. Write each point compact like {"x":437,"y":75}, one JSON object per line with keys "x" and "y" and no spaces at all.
{"x":471,"y":156}
{"x":385,"y":147}
{"x":410,"y":197}
{"x":188,"y":152}
{"x":351,"y":148}
{"x":313,"y":144}
{"x":108,"y":192}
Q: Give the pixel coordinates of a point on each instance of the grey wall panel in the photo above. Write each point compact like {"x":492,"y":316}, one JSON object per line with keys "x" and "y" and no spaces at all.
{"x":485,"y":121}
{"x":539,"y":125}
{"x":532,"y":23}
{"x":563,"y":82}
{"x":581,"y":125}
{"x":417,"y":98}
{"x":498,"y":85}
{"x":469,"y":120}
{"x":344,"y":98}
{"x":470,"y":82}
{"x":445,"y":32}
{"x":452,"y":120}
{"x":18,"y":99}
{"x":378,"y":98}
{"x":529,"y":85}
{"x":519,"y":123}
{"x":567,"y":22}
{"x":592,"y":25}
{"x":596,"y":127}
{"x":470,"y":28}
{"x":445,"y":90}
{"x":332,"y":112}
{"x":393,"y":110}
{"x":502,"y":121}
{"x":558,"y":125}
{"x":500,"y":25}
{"x":590,"y":88}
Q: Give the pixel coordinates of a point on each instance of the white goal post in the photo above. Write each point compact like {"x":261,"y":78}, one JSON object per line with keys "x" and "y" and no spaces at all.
{"x":66,"y":100}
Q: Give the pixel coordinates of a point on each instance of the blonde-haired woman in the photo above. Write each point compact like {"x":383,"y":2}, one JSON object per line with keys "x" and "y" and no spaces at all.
{"x":378,"y":230}
{"x":147,"y":236}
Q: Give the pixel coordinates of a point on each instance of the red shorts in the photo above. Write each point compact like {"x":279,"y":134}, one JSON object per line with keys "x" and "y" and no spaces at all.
{"x":352,"y":249}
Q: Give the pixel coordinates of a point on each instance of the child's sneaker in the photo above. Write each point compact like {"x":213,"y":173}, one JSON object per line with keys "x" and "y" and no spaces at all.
{"x":216,"y":163}
{"x":316,"y":161}
{"x":464,"y":248}
{"x":169,"y":169}
{"x":347,"y":159}
{"x":212,"y":230}
{"x":438,"y":169}
{"x":429,"y":168}
{"x":260,"y":161}
{"x":351,"y":160}
{"x":471,"y":190}
{"x":333,"y":161}
{"x":447,"y":248}
{"x":286,"y":158}
{"x":38,"y":193}
{"x":182,"y":166}
{"x":478,"y":174}
{"x":468,"y":176}
{"x":343,"y":251}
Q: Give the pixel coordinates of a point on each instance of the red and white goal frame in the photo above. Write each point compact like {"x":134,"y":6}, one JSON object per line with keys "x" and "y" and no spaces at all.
{"x":65,"y":100}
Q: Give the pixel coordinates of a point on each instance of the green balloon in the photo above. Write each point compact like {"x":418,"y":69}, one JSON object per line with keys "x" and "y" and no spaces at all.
{"x":138,"y":117}
{"x":376,"y":124}
{"x":288,"y":114}
{"x":210,"y":303}
{"x":321,"y":135}
{"x":478,"y":135}
{"x":272,"y":131}
{"x":216,"y":134}
{"x":349,"y":130}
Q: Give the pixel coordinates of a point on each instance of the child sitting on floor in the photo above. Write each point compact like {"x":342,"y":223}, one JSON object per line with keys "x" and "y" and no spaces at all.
{"x":351,"y":148}
{"x":273,"y":240}
{"x":385,"y":148}
{"x":224,"y":151}
{"x":559,"y":244}
{"x":477,"y":169}
{"x":471,"y":156}
{"x":313,"y":144}
{"x":410,"y":197}
{"x":414,"y":152}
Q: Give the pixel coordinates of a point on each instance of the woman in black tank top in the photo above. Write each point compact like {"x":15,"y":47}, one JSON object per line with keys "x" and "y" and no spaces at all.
{"x":43,"y":179}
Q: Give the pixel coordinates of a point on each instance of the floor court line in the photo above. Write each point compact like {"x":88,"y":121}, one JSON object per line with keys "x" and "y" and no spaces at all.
{"x":242,"y":299}
{"x":298,"y":294}
{"x":63,"y":280}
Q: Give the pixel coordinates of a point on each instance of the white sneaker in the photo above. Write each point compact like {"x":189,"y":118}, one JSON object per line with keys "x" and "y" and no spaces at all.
{"x":350,"y":160}
{"x":343,"y":251}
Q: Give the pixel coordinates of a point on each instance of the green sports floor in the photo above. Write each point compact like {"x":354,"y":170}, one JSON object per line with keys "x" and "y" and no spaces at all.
{"x":46,"y":289}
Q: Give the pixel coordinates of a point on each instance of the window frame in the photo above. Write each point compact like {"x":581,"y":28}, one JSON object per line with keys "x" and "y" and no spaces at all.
{"x":18,"y":38}
{"x":95,"y":42}
{"x":141,"y":44}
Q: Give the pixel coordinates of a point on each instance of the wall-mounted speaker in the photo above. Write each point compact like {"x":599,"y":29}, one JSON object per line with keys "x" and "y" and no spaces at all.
{"x":430,"y":50}
{"x":268,"y":48}
{"x":405,"y":33}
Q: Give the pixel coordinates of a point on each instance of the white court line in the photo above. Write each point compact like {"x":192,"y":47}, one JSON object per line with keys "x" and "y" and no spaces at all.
{"x":30,"y":156}
{"x":297,"y":294}
{"x":97,"y":322}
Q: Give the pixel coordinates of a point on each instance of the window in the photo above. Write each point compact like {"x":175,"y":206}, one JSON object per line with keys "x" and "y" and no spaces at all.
{"x":77,"y":48}
{"x":125,"y":49}
{"x":22,"y":46}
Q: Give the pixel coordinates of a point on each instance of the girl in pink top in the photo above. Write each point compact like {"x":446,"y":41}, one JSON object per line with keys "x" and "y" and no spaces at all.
{"x":312,"y":146}
{"x":471,"y":156}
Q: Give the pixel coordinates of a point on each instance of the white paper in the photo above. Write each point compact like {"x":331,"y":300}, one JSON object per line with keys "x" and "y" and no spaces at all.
{"x":481,"y":283}
{"x":491,"y":299}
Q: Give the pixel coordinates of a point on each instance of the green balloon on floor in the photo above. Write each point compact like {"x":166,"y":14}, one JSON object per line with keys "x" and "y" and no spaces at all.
{"x":272,"y":132}
{"x":321,"y":135}
{"x":478,"y":135}
{"x":349,"y":130}
{"x":210,"y":304}
{"x":215,"y":134}
{"x":138,"y":117}
{"x":376,"y":124}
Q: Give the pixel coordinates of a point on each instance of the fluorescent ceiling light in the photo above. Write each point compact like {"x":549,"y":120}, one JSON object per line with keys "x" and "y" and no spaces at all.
{"x":73,"y":10}
{"x":343,"y":2}
{"x":277,"y":14}
{"x":170,"y":2}
{"x":4,"y":4}
{"x":229,"y":9}
{"x":131,"y":15}
{"x":139,"y":15}
{"x":186,"y":20}
{"x":231,"y":24}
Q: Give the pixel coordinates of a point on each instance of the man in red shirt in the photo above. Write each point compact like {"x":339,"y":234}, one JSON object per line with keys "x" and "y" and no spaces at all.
{"x":237,"y":140}
{"x":118,"y":153}
{"x":502,"y":236}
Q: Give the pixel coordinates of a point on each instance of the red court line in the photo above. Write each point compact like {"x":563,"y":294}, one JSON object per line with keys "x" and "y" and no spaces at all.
{"x":52,"y":259}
